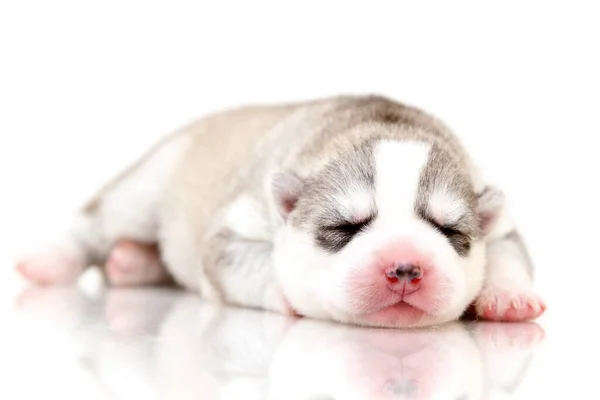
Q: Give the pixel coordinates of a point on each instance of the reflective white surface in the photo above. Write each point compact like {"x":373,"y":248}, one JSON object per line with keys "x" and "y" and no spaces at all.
{"x":86,"y":87}
{"x":168,"y":344}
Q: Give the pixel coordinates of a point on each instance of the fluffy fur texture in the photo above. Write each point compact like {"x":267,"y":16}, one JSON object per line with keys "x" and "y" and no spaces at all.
{"x":313,"y":208}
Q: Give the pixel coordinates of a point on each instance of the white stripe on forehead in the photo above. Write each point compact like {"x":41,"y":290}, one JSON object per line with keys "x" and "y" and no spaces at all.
{"x":398,"y":167}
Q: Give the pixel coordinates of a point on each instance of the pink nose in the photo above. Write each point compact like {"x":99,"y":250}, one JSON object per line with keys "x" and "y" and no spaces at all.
{"x":405,"y":271}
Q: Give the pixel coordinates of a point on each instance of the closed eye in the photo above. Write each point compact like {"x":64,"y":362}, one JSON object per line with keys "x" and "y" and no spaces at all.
{"x":449,"y":230}
{"x":446,"y":230}
{"x":335,"y":237}
{"x":458,"y":239}
{"x":350,"y":228}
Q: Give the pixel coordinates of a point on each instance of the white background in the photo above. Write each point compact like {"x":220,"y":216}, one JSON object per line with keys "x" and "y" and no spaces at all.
{"x":86,"y":86}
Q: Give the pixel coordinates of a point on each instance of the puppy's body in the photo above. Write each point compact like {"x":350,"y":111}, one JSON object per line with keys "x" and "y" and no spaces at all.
{"x":317,"y":207}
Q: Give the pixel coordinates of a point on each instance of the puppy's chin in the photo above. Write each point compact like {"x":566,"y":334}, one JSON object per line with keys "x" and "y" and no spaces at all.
{"x":402,"y":315}
{"x":432,"y":304}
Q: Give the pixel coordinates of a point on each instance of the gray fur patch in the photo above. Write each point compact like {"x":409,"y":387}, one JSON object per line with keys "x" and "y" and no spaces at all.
{"x":316,"y":210}
{"x":344,"y":146}
{"x":442,"y":173}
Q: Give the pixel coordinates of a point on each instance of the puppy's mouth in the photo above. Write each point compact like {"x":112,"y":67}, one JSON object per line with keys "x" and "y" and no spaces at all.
{"x":404,"y":305}
{"x":393,"y":301}
{"x":401,"y":306}
{"x":397,"y":314}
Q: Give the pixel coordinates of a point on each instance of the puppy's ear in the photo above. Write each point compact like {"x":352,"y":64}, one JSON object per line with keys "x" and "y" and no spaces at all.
{"x":490,"y":204}
{"x":286,"y":187}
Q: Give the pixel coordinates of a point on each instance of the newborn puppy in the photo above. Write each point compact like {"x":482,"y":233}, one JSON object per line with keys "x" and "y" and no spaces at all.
{"x":353,"y":208}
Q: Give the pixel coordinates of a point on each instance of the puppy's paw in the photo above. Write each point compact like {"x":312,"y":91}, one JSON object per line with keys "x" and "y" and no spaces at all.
{"x":134,"y":264}
{"x":54,"y":265}
{"x":509,"y":302}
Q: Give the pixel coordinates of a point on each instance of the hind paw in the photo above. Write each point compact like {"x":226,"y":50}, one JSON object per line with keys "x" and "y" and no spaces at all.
{"x":54,"y":266}
{"x":134,"y":264}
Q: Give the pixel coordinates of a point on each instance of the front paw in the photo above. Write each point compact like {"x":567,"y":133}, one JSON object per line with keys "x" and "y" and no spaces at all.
{"x":509,"y":302}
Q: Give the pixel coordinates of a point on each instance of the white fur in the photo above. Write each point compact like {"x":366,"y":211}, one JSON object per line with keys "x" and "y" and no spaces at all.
{"x":506,"y":263}
{"x":504,"y":225}
{"x":181,"y":253}
{"x":398,"y":170}
{"x":302,"y":272}
{"x":398,"y":167}
{"x":507,"y":278}
{"x":506,"y":270}
{"x":445,"y":207}
{"x":248,"y":279}
{"x":354,"y":203}
{"x":245,"y":218}
{"x":128,"y":210}
{"x":314,"y":280}
{"x":317,"y":283}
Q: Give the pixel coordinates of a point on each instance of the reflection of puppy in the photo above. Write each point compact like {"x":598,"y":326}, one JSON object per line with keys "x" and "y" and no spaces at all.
{"x":199,"y":350}
{"x":226,"y":351}
{"x":357,"y":209}
{"x":506,"y":354}
{"x":456,"y":361}
{"x":112,"y":336}
{"x":417,"y":364}
{"x":452,"y":362}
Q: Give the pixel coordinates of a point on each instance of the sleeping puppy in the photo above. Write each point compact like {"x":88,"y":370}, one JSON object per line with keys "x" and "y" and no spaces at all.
{"x":357,"y":209}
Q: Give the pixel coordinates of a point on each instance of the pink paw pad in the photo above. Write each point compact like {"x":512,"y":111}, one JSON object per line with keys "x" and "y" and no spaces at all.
{"x":133,"y":263}
{"x":510,"y":305}
{"x":53,"y":267}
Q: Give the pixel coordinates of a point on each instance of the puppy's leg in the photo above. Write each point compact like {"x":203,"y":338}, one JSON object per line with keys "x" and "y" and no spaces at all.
{"x":244,"y":271}
{"x":126,"y":209}
{"x":508,"y":293}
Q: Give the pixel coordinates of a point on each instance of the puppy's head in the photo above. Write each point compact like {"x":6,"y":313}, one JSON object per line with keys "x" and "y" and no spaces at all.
{"x":389,"y":233}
